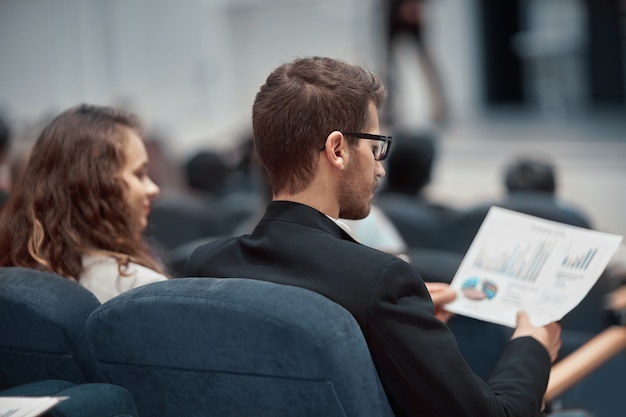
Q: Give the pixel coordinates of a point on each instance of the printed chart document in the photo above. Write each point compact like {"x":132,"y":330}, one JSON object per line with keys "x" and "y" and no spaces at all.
{"x":27,"y":406}
{"x":521,"y":262}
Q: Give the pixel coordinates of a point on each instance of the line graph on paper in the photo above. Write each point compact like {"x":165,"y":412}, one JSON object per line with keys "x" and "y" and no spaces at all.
{"x":521,"y":260}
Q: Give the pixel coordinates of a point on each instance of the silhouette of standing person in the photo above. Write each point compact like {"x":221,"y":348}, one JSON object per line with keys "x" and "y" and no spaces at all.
{"x":406,"y":19}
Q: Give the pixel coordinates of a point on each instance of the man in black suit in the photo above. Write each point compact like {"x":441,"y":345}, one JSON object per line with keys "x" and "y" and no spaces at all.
{"x":316,"y":132}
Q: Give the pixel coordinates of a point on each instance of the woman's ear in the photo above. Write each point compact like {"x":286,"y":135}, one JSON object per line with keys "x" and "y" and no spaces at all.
{"x":336,"y":149}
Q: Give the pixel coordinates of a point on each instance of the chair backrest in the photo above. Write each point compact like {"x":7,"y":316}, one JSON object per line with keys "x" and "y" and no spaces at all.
{"x":460,"y":230}
{"x":435,"y":265}
{"x":481,"y":343}
{"x":42,"y":320}
{"x":180,"y":219}
{"x":419,"y":222}
{"x":235,"y":347}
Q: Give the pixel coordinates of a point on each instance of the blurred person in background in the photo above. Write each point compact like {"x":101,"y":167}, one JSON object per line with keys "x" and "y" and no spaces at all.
{"x":403,"y":196}
{"x":531,"y":187}
{"x":406,"y":19}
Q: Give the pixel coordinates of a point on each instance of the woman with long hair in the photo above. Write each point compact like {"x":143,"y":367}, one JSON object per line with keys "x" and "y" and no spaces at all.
{"x":81,"y":203}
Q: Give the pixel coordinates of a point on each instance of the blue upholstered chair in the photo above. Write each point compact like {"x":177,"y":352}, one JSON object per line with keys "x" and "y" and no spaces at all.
{"x":42,"y":320}
{"x":421,"y":224}
{"x":435,"y":265}
{"x":235,"y":347}
{"x":481,"y":343}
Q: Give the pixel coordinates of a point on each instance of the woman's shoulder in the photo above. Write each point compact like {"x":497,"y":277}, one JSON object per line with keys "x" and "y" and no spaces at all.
{"x":144,"y":273}
{"x":99,"y":265}
{"x":102,"y":276}
{"x":98,"y":261}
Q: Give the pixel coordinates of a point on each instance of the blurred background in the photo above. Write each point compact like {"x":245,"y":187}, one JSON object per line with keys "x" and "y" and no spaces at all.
{"x":517,"y":76}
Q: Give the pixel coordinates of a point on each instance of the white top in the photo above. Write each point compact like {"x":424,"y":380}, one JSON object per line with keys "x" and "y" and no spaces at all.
{"x":376,"y":231}
{"x":101,"y":276}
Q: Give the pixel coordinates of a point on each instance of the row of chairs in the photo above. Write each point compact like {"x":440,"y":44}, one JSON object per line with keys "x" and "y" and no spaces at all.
{"x":191,"y":346}
{"x":227,"y":347}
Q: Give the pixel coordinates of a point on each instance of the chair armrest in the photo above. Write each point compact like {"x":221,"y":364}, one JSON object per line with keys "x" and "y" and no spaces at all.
{"x":585,"y":360}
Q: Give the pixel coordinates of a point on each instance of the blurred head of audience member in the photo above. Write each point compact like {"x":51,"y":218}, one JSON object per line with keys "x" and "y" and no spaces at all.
{"x":208,"y":172}
{"x":530,"y":173}
{"x":531,"y":184}
{"x":410,"y":162}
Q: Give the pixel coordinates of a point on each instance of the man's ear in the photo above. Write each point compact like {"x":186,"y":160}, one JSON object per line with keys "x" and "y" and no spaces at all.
{"x":336,"y":149}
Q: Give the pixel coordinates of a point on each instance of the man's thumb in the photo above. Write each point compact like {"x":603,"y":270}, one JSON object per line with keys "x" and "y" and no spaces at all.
{"x":522,"y":318}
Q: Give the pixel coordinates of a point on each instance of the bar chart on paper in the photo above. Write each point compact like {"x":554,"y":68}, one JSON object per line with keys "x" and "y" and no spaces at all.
{"x":522,"y":261}
{"x":580,"y":261}
{"x":518,"y":262}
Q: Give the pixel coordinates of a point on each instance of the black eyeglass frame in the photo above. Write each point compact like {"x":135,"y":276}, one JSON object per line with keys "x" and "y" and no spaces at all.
{"x":386,"y":139}
{"x":370,"y":136}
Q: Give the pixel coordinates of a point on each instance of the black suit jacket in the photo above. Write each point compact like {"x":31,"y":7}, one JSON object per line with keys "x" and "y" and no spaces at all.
{"x":416,"y":355}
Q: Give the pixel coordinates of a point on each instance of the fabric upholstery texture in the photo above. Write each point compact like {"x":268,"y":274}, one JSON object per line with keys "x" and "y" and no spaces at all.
{"x":42,"y":319}
{"x":235,"y":347}
{"x":421,"y":224}
{"x":435,"y":265}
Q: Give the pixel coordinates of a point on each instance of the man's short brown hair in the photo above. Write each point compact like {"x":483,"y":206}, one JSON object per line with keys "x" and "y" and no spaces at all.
{"x":299,"y":105}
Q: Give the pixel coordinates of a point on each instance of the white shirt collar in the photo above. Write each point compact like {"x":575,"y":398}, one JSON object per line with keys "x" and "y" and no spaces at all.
{"x":344,"y":227}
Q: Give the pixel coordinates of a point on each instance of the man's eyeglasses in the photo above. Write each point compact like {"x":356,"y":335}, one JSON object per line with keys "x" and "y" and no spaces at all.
{"x":380,"y":152}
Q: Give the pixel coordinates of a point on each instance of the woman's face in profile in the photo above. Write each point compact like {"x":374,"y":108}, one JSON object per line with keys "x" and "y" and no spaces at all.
{"x":140,"y":190}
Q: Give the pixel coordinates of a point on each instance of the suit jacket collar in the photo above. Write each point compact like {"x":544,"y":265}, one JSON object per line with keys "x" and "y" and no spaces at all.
{"x":293,"y":212}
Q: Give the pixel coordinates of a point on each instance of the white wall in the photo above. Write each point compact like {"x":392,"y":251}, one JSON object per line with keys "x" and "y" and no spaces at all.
{"x":193,"y":66}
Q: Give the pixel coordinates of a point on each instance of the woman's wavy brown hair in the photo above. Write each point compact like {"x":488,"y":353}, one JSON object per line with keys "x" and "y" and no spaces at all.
{"x":69,"y":200}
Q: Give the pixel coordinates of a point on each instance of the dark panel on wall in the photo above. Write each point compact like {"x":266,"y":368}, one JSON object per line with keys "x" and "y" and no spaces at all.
{"x":606,"y":52}
{"x":500,"y":20}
